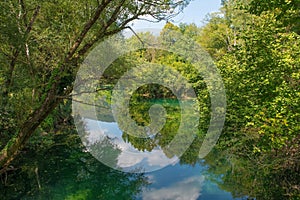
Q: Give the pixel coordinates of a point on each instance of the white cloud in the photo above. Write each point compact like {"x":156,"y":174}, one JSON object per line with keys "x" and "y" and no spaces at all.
{"x":188,"y":189}
{"x":149,"y":161}
{"x":130,"y":158}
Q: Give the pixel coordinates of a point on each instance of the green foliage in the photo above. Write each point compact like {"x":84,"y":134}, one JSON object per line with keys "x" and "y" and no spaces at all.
{"x":259,"y":178}
{"x":255,"y":44}
{"x":261,"y":76}
{"x":7,"y":125}
{"x":286,"y":11}
{"x":42,"y":45}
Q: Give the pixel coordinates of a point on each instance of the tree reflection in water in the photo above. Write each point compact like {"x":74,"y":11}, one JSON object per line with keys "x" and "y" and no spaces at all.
{"x":65,"y":171}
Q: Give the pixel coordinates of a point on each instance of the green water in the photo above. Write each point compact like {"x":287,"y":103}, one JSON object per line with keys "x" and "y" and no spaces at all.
{"x":68,"y":171}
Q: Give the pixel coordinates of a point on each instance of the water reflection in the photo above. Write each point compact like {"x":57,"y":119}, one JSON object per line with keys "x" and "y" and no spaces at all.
{"x":66,"y":172}
{"x":129,"y":159}
{"x":186,"y":177}
{"x":176,"y":181}
{"x":188,"y":188}
{"x":182,"y":182}
{"x":146,"y":154}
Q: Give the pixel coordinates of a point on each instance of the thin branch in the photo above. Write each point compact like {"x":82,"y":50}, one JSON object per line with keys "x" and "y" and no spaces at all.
{"x":138,"y":37}
{"x":102,"y":31}
{"x":82,"y":102}
{"x":86,"y":29}
{"x":24,"y":12}
{"x":33,"y":18}
{"x":84,"y":92}
{"x":15,"y":56}
{"x":88,"y":45}
{"x":115,"y":14}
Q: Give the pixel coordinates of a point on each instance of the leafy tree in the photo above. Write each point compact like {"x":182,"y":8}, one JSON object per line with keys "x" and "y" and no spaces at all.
{"x":43,"y":44}
{"x":260,"y":75}
{"x":286,"y":11}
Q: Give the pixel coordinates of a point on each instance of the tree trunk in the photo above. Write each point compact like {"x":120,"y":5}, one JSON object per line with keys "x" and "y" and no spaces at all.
{"x":15,"y":144}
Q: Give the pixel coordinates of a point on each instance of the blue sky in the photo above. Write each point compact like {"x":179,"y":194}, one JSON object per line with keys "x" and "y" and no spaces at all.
{"x":195,"y":12}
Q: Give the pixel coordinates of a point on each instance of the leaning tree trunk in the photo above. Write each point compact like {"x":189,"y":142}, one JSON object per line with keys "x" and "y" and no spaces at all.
{"x":158,"y":9}
{"x":15,"y":144}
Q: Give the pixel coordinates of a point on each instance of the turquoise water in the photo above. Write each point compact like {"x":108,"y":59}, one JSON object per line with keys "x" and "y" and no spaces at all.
{"x":108,"y":163}
{"x":65,"y":172}
{"x":183,"y":182}
{"x":170,"y":180}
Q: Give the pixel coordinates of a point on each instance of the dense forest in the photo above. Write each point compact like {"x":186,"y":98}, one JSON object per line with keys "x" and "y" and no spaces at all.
{"x":255,"y":45}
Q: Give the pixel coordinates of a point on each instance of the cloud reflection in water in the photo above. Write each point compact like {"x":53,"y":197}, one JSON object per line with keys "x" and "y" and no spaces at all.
{"x":130,"y":158}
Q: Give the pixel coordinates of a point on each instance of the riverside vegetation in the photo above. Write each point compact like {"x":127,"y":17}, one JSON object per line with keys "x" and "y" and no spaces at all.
{"x":254,"y":43}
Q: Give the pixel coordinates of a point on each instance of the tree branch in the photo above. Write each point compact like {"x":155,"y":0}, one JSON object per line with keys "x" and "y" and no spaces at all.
{"x":9,"y":80}
{"x":86,"y":28}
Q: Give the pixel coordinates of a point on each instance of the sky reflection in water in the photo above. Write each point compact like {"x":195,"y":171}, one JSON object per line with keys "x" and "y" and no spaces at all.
{"x":174,"y":181}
